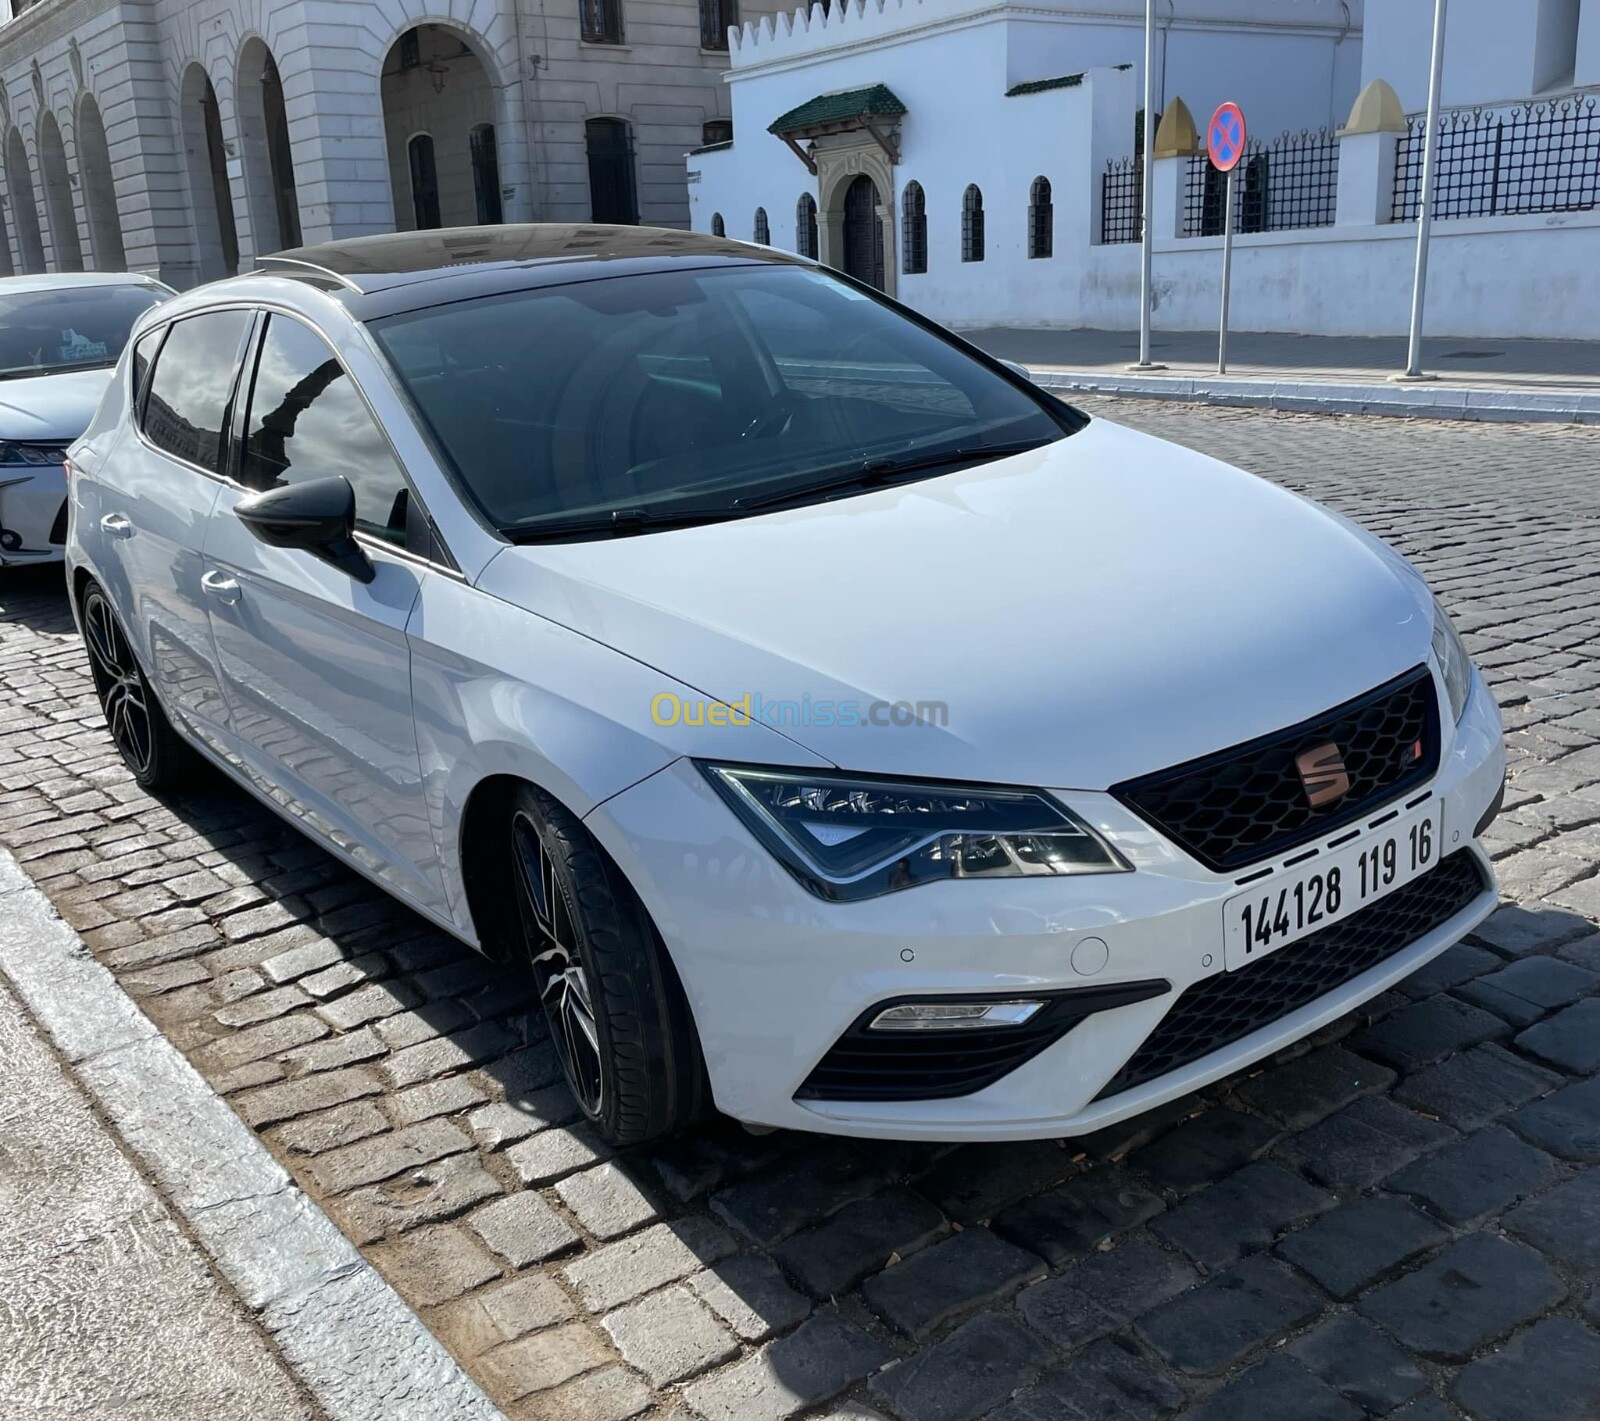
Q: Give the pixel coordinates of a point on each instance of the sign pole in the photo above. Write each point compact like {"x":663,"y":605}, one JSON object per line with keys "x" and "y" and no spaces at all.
{"x":1227,"y":275}
{"x":1226,"y":140}
{"x":1430,"y":177}
{"x":1147,"y":185}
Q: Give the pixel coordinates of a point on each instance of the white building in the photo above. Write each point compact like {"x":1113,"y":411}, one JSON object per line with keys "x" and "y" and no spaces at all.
{"x":977,"y":159}
{"x":184,"y":137}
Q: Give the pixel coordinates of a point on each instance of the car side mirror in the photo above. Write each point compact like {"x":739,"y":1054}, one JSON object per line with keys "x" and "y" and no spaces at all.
{"x":317,"y":516}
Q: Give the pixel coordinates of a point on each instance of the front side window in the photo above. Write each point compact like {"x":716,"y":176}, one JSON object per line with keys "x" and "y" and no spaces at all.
{"x":75,"y":328}
{"x":187,"y":407}
{"x":610,"y":405}
{"x":308,"y":421}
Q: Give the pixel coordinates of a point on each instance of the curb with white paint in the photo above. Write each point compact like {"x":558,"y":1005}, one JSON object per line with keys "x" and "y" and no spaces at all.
{"x":343,"y":1331}
{"x":1420,"y":401}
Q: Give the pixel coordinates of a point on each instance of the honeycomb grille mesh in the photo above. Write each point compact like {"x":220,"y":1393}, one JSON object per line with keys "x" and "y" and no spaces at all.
{"x":1226,"y":1008}
{"x":1248,"y":803}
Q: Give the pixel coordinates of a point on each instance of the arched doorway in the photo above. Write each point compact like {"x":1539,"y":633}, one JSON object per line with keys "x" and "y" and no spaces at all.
{"x":64,"y":243}
{"x":863,"y":232}
{"x":264,"y":143}
{"x":99,"y":190}
{"x":216,"y":237}
{"x":437,"y":88}
{"x":19,"y":180}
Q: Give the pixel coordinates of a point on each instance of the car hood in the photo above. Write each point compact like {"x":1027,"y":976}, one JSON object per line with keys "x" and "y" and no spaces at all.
{"x":1104,"y":606}
{"x":51,"y":407}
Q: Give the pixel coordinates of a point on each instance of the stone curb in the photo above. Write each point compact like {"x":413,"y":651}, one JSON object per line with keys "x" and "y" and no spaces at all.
{"x":1422,"y":401}
{"x":344,"y":1332}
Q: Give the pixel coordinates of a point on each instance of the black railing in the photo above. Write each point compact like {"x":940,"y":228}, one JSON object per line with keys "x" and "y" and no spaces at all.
{"x":1289,"y":183}
{"x":1504,"y":162}
{"x":1121,"y":200}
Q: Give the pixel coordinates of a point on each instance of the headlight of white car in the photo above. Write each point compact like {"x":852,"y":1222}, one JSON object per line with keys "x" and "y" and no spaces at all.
{"x":847,"y":838}
{"x":1454,"y":663}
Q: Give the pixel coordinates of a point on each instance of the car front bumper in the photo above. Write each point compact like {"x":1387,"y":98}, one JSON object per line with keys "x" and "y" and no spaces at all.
{"x":775,"y":976}
{"x":33,"y":499}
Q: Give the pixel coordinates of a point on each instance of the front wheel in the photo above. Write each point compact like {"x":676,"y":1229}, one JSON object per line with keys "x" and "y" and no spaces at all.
{"x":618,"y":1016}
{"x":149,"y":746}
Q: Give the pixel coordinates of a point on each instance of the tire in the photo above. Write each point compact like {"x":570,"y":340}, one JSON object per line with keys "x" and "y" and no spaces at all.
{"x":618,"y":1016}
{"x":150,"y":748}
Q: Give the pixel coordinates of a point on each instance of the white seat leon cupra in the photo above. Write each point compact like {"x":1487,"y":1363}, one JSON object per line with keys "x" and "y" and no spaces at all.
{"x":843,"y":732}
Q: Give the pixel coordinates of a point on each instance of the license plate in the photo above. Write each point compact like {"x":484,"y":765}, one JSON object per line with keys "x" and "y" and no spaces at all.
{"x":1288,"y":906}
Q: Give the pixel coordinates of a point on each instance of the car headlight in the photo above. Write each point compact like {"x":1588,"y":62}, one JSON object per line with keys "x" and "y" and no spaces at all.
{"x":1454,"y":663}
{"x":16,"y":452}
{"x":847,"y":838}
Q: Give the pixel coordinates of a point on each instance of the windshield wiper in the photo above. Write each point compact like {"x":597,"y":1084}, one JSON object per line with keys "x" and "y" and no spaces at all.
{"x":22,"y":372}
{"x":873,"y":473}
{"x":619,"y":523}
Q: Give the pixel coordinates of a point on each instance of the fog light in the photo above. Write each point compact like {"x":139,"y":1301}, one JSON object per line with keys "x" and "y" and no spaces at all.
{"x":952,"y":1016}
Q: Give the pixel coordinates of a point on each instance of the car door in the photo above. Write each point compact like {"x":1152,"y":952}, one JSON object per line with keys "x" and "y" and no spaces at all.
{"x":314,"y":661}
{"x":150,"y":499}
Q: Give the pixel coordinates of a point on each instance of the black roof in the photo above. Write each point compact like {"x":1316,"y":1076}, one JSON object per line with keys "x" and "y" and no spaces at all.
{"x":369,"y":265}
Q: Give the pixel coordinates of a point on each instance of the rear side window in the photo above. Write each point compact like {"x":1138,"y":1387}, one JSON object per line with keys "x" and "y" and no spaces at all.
{"x":188,"y":401}
{"x":308,"y":421}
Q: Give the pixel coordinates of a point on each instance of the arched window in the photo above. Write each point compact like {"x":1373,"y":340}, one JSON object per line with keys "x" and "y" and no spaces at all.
{"x":762,"y":230}
{"x":718,"y":227}
{"x":1041,"y":220}
{"x":424,"y":183}
{"x":613,"y":193}
{"x":485,"y":173}
{"x":914,"y":230}
{"x":972,"y":224}
{"x":805,"y":226}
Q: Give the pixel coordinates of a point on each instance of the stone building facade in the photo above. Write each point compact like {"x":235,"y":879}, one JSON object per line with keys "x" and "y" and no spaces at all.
{"x":182,"y":138}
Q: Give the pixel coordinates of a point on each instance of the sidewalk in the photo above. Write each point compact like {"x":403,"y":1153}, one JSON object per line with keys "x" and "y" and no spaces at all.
{"x":109,"y":1312}
{"x":1477,"y":378}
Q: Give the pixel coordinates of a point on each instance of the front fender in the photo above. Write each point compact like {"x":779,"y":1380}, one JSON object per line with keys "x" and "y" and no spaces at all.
{"x":498,"y":690}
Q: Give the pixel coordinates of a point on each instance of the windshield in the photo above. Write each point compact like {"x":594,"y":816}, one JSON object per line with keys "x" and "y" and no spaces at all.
{"x":75,"y":328}
{"x":614,"y":405}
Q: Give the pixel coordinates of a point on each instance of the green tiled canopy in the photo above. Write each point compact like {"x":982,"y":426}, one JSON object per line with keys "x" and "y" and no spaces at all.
{"x":879,"y":100}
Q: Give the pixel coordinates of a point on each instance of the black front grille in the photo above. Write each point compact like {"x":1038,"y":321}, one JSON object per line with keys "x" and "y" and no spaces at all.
{"x":1249,"y":803}
{"x":58,"y":529}
{"x":935,"y":1065}
{"x":1227,"y":1007}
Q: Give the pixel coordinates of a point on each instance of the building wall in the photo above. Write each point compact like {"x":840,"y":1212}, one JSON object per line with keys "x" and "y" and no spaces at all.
{"x":540,"y":82}
{"x":1495,"y":50}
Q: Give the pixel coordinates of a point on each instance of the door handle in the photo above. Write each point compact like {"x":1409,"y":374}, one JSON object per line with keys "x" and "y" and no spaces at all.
{"x":225,"y":589}
{"x":116,"y":525}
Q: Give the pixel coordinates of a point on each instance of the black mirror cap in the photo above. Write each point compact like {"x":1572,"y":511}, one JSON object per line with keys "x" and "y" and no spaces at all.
{"x":317,"y":516}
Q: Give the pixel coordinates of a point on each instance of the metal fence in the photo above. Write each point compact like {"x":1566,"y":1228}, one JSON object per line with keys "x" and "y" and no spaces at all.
{"x":1503,"y":162}
{"x":1121,"y":200}
{"x":1289,"y":183}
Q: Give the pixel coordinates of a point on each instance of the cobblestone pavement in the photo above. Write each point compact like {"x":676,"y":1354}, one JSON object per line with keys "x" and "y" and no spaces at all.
{"x":1401,"y":1219}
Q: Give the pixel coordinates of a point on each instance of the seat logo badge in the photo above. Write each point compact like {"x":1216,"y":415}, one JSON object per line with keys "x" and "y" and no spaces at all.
{"x":1323,"y":775}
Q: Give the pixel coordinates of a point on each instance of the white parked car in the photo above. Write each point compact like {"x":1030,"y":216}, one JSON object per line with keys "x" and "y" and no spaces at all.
{"x":840,"y":729}
{"x":60,"y":337}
